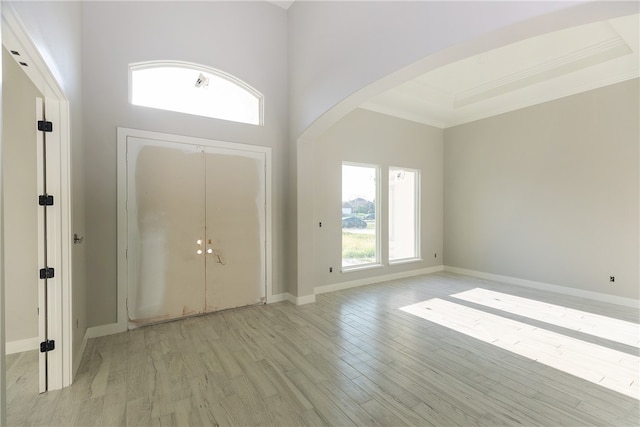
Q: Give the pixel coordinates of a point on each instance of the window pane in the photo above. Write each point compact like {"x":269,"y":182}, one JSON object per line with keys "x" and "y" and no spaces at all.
{"x":359,"y":230}
{"x":403,"y":224}
{"x":194,"y":91}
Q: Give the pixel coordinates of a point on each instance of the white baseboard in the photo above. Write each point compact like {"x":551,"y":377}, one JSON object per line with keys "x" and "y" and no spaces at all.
{"x":104,"y":330}
{"x":581,"y":293}
{"x":278,"y":298}
{"x":286,"y":296}
{"x":307,"y":299}
{"x":377,"y":279}
{"x":19,"y":346}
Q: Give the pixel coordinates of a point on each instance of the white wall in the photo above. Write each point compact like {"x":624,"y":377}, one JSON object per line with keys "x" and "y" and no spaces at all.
{"x":245,"y":39}
{"x":55,"y":28}
{"x":549,"y":193}
{"x":20,"y":208}
{"x":367,"y":137}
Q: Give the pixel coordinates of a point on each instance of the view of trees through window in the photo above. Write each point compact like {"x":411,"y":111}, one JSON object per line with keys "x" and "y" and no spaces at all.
{"x":359,"y":229}
{"x":361,"y":224}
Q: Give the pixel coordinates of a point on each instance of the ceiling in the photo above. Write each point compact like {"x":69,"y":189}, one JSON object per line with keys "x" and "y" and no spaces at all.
{"x":525,"y":73}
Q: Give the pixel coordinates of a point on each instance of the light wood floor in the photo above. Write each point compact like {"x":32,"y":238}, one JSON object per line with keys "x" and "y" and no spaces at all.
{"x":352,"y":358}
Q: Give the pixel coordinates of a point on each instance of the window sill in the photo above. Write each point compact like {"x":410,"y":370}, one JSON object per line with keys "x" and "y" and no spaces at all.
{"x":360,"y":267}
{"x":405,"y":261}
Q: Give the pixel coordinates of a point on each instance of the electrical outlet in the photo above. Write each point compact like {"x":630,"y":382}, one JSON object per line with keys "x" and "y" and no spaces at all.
{"x":435,"y":255}
{"x":330,"y":269}
{"x":612,"y":278}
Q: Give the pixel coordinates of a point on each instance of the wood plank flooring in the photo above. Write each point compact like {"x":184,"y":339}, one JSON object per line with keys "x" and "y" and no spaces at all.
{"x":352,"y":358}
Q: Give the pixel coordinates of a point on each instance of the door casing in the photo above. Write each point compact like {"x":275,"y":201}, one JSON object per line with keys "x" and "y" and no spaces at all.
{"x":62,"y":364}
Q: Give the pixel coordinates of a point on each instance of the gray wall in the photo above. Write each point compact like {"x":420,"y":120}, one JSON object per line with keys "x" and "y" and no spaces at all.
{"x":549,"y":193}
{"x":342,"y":53}
{"x":339,"y":47}
{"x":245,"y":39}
{"x":20,"y":210}
{"x":368,"y":137}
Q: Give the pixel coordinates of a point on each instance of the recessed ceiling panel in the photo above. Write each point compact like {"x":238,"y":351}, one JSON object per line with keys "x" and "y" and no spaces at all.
{"x":518,"y":75}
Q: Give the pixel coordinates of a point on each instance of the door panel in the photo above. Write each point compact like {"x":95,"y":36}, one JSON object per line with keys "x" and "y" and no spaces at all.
{"x":166,"y":221}
{"x":235,"y":221}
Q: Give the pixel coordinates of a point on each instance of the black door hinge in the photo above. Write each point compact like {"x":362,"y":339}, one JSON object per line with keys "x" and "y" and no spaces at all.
{"x":47,"y":346}
{"x":47,"y":273}
{"x":45,"y":200}
{"x":45,"y":126}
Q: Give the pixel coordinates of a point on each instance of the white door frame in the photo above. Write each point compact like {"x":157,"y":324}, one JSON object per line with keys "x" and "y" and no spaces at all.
{"x":123,"y":232}
{"x":15,"y":37}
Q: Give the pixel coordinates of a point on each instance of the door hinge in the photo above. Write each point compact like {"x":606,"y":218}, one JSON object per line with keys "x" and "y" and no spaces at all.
{"x":47,"y":273}
{"x":45,"y":126}
{"x":45,"y":200}
{"x":47,"y":346}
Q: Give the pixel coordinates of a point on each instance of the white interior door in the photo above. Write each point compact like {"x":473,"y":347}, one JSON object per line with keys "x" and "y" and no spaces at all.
{"x":235,"y":228}
{"x":166,"y":223}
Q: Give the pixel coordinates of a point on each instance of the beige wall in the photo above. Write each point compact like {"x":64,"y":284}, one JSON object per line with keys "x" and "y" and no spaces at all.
{"x":20,"y":202}
{"x":366,"y":137}
{"x":549,"y":193}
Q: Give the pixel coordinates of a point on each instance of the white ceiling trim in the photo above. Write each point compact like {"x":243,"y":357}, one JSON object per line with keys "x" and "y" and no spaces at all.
{"x":519,"y":75}
{"x":578,"y":60}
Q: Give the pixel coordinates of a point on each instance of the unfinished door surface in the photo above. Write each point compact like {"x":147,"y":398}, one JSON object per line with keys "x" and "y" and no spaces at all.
{"x":165,"y":222}
{"x":235,"y":228}
{"x":196,"y":229}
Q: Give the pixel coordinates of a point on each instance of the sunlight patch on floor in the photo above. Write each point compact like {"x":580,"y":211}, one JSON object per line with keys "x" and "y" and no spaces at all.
{"x":593,"y":324}
{"x":615,"y":370}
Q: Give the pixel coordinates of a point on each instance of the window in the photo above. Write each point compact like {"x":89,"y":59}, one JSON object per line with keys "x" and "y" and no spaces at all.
{"x":360,"y":246}
{"x":403,"y":214}
{"x":194,"y":89}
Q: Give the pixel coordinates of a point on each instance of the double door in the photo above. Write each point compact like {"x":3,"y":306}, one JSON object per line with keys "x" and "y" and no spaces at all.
{"x":196,"y":229}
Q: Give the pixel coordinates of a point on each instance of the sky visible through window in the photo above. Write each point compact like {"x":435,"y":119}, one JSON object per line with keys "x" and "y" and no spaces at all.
{"x":174,"y":88}
{"x":358,"y":182}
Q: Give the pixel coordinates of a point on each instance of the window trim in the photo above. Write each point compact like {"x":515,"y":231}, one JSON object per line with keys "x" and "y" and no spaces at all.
{"x":144,"y":65}
{"x":416,"y":219}
{"x":377,"y":263}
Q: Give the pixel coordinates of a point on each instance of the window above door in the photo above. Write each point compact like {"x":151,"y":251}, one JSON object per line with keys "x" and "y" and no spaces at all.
{"x":194,"y":89}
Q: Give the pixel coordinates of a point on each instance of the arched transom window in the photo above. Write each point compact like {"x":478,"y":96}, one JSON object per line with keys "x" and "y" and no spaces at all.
{"x":194,"y":89}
